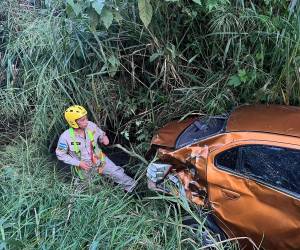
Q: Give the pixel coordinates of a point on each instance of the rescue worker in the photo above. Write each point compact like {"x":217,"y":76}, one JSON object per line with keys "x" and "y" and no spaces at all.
{"x":78,"y":147}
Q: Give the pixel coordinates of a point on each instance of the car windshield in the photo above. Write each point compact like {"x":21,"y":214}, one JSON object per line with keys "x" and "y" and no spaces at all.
{"x":201,"y":129}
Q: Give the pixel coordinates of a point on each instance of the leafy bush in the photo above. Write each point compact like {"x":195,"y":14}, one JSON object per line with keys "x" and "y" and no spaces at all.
{"x":135,"y":65}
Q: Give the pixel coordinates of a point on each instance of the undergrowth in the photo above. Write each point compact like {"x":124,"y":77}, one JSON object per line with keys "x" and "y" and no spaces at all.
{"x":133,"y":76}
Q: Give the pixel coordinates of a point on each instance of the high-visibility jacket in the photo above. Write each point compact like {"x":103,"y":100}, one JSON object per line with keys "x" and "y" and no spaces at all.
{"x":72,"y":148}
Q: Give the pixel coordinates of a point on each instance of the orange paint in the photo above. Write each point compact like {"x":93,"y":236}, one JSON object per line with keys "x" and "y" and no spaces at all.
{"x":243,"y":207}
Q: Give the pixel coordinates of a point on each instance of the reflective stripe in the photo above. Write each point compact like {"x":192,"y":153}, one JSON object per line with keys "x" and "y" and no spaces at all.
{"x":98,"y":152}
{"x":94,"y":149}
{"x":72,"y":135}
{"x":76,"y":169}
{"x":90,"y":135}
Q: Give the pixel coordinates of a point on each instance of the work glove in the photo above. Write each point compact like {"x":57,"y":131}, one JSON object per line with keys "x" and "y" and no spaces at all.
{"x":157,"y":171}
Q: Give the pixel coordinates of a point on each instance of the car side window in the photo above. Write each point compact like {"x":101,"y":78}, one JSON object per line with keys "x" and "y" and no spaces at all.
{"x":276,"y":166}
{"x":228,"y":159}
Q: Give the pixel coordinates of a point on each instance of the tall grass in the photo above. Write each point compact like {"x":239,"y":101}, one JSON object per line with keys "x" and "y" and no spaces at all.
{"x":132,"y":79}
{"x":49,"y":61}
{"x":39,"y":210}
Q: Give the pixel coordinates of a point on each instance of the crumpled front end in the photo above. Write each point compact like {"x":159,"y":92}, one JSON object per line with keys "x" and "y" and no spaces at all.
{"x":185,"y":168}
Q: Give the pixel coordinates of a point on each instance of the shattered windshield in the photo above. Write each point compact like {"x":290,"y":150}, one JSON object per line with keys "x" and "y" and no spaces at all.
{"x":201,"y":129}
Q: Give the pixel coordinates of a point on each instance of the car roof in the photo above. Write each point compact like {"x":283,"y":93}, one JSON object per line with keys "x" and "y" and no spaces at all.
{"x":277,"y":119}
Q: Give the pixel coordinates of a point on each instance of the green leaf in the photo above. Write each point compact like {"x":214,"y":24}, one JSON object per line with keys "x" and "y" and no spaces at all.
{"x":125,"y":133}
{"x":154,"y":56}
{"x":259,"y":56}
{"x":75,"y":7}
{"x":242,"y":75}
{"x":198,"y":2}
{"x":113,"y":65}
{"x":98,"y":6}
{"x":70,"y":2}
{"x":145,"y":11}
{"x":234,"y":81}
{"x":107,"y":18}
{"x":113,"y":60}
{"x":213,"y":4}
{"x":94,"y":19}
{"x":172,"y":50}
{"x":117,"y":16}
{"x":141,"y":137}
{"x":193,"y":58}
{"x":69,"y":10}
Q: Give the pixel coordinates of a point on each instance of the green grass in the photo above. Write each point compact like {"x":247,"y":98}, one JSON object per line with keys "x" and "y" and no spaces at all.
{"x":39,"y":210}
{"x":191,"y":59}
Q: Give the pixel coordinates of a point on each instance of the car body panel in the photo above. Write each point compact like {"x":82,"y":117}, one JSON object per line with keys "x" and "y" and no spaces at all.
{"x":265,"y":118}
{"x":193,"y":156}
{"x":243,"y":206}
{"x":167,"y":135}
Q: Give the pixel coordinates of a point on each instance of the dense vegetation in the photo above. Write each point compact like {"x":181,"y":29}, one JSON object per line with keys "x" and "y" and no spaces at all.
{"x":135,"y":65}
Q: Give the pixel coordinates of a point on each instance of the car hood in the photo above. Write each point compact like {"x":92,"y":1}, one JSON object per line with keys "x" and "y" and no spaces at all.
{"x":168,"y":134}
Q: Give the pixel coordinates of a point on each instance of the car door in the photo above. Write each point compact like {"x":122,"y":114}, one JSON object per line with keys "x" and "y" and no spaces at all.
{"x":254,"y":192}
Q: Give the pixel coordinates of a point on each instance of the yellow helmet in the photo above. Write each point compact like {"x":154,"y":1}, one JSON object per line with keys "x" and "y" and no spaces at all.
{"x":73,"y":113}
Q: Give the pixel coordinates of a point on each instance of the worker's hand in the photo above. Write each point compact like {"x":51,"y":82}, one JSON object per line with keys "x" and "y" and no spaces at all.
{"x":85,"y":166}
{"x":105,"y":140}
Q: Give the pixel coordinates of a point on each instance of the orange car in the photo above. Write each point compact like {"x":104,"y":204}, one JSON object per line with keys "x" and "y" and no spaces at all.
{"x":245,"y":168}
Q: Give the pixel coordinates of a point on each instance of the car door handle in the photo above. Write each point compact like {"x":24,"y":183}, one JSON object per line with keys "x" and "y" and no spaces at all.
{"x":228,"y":194}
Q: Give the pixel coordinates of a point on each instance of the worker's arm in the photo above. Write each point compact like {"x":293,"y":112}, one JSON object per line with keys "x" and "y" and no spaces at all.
{"x":62,"y":153}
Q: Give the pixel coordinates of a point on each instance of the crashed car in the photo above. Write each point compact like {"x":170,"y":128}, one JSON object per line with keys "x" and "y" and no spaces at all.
{"x":244,"y":168}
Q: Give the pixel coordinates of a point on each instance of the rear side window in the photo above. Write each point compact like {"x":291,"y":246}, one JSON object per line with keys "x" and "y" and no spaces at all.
{"x":201,"y":129}
{"x":228,"y":159}
{"x":276,"y":166}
